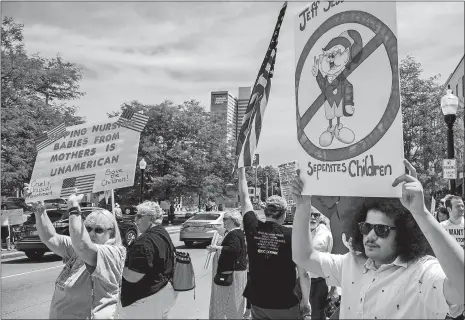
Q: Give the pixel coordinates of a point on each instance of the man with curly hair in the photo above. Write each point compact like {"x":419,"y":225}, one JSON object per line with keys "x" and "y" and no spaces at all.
{"x":388,"y":274}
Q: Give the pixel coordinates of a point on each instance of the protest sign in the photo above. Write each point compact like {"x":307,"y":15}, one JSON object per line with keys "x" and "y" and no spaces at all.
{"x":92,"y":157}
{"x":215,"y":239}
{"x":287,"y":172}
{"x":348,"y":115}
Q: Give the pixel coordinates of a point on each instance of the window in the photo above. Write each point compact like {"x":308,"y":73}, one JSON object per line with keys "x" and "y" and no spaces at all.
{"x":457,"y":90}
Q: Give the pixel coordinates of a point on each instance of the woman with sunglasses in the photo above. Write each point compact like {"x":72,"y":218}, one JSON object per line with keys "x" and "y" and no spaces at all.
{"x":391,"y":276}
{"x":147,"y":291}
{"x":89,"y":285}
{"x":230,"y":260}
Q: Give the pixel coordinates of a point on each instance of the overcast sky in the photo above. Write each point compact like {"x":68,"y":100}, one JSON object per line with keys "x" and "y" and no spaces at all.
{"x":151,"y":51}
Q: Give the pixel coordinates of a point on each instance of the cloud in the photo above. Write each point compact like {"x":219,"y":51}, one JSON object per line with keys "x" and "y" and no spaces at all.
{"x":152,"y":51}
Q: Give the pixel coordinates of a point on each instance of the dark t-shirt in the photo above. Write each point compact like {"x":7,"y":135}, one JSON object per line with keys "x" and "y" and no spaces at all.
{"x":272,"y":271}
{"x":153,"y":255}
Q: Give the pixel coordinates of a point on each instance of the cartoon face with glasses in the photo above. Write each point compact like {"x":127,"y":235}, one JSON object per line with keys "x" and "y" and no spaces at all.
{"x":337,"y":90}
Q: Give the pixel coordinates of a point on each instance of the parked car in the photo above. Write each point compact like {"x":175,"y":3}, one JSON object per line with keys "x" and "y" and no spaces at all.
{"x":30,"y":243}
{"x":201,"y":227}
{"x":59,"y":203}
{"x":16,"y":203}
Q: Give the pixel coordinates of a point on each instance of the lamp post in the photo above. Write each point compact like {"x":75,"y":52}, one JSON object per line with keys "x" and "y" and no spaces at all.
{"x":449,"y":106}
{"x":142,"y":166}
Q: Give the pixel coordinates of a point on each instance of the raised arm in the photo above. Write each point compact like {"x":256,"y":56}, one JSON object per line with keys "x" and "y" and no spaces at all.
{"x":80,"y":239}
{"x":45,"y":229}
{"x":447,"y":250}
{"x":246,"y":204}
{"x":303,"y":253}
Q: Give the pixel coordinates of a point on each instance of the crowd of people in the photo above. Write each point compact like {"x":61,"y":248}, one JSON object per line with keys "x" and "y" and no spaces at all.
{"x":402,"y":261}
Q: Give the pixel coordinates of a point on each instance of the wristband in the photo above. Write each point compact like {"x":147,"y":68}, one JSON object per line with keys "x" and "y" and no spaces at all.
{"x":75,"y":211}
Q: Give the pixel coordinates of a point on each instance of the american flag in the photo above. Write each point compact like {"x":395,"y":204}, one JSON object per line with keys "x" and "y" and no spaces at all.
{"x":84,"y":184}
{"x":252,"y":122}
{"x":132,"y":120}
{"x":49,"y":137}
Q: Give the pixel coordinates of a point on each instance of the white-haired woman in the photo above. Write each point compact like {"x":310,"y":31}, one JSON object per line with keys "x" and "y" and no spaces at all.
{"x":147,"y":291}
{"x":88,"y":287}
{"x":230,"y":260}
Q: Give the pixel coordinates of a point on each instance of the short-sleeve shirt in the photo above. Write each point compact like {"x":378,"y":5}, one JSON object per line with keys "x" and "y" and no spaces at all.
{"x":153,"y":255}
{"x":272,"y":271}
{"x":455,"y":230}
{"x":399,"y":290}
{"x":73,"y":298}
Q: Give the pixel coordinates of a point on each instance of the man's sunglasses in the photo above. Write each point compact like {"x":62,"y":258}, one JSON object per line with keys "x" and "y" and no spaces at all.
{"x":97,"y":230}
{"x":315,"y":215}
{"x":381,"y":230}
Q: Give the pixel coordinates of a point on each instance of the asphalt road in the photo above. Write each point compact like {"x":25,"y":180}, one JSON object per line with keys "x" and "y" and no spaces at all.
{"x":27,"y":286}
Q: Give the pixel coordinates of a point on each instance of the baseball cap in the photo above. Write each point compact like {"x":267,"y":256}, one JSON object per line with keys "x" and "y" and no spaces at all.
{"x":277,"y":202}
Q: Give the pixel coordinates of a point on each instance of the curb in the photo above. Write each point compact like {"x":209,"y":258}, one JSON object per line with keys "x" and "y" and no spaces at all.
{"x":12,"y":255}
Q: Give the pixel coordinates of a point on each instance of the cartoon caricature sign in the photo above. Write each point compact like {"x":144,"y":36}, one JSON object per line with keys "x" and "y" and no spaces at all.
{"x":348,"y":113}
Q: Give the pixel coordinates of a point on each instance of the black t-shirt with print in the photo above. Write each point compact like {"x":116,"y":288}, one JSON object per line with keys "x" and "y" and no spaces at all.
{"x":153,"y":255}
{"x":272,"y":271}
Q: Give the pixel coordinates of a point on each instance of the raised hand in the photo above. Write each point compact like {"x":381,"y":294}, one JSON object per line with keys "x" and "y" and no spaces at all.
{"x":74,"y":199}
{"x":297,"y":186}
{"x":412,"y":190}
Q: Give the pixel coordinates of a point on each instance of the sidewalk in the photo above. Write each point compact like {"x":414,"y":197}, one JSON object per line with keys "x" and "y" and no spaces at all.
{"x":11,"y":254}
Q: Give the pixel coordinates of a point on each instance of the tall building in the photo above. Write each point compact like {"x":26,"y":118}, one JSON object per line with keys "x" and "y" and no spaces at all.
{"x":242,"y":101}
{"x":224,"y":105}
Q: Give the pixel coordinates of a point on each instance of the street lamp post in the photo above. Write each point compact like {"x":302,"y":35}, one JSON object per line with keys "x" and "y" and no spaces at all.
{"x":449,"y":106}
{"x":142,"y":166}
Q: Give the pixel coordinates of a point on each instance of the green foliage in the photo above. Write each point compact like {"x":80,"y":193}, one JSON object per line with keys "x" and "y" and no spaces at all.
{"x":425,"y":132}
{"x":32,"y":90}
{"x":185,"y":151}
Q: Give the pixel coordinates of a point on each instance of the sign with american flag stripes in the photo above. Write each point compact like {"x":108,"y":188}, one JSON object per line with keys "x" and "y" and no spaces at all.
{"x":84,"y":184}
{"x":49,"y":137}
{"x":252,"y":122}
{"x":91,"y":157}
{"x":132,"y":120}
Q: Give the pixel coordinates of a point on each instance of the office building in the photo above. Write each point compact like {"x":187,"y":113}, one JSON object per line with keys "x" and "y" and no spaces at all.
{"x":224,"y":106}
{"x":242,"y":101}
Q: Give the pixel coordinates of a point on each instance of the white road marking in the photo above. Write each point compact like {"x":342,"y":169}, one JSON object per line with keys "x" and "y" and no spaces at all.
{"x":20,"y":274}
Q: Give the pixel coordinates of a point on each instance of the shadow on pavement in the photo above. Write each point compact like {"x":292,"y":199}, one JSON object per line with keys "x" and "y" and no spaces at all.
{"x":46,"y":258}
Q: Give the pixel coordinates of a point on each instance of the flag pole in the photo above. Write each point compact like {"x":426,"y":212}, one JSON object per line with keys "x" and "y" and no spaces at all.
{"x":113,"y":201}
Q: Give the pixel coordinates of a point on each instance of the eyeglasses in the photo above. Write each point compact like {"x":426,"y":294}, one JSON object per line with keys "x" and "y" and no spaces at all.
{"x":140,"y":215}
{"x":98,"y":230}
{"x":381,"y":230}
{"x":315,"y":215}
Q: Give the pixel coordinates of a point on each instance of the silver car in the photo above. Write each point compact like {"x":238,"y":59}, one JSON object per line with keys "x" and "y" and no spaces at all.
{"x":201,"y":227}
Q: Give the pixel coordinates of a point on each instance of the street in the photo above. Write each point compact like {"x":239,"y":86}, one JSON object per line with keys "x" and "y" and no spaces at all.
{"x":27,"y":286}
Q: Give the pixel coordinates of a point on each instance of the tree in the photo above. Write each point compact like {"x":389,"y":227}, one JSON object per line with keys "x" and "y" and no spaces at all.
{"x":28,"y":85}
{"x":425,"y":139}
{"x":185,"y":152}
